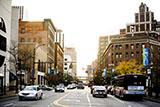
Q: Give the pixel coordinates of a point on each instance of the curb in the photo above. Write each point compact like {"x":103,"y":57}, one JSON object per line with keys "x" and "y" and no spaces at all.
{"x":152,"y":99}
{"x":8,"y":96}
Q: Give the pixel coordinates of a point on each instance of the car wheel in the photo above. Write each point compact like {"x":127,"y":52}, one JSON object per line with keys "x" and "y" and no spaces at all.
{"x":41,"y":96}
{"x":105,"y":96}
{"x":36,"y":97}
{"x":93,"y":95}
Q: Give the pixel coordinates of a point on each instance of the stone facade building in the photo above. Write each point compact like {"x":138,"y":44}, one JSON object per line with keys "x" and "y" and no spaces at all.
{"x":39,"y":33}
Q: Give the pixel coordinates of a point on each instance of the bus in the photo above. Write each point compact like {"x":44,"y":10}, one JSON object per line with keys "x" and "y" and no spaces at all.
{"x":130,"y":85}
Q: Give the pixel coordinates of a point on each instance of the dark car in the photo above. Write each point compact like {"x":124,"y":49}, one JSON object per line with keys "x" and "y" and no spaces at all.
{"x":45,"y":87}
{"x":80,"y":86}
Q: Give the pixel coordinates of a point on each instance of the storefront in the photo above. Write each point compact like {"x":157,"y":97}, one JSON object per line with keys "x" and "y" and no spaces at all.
{"x":40,"y":78}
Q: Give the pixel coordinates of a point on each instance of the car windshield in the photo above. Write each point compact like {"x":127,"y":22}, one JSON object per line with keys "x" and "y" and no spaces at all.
{"x":100,"y":88}
{"x":59,"y":86}
{"x":30,"y":88}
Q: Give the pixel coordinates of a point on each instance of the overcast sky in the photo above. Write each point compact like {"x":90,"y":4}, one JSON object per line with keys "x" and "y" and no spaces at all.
{"x":83,"y":21}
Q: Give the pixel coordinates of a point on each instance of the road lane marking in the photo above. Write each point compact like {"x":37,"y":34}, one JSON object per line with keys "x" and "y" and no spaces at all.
{"x":71,"y":100}
{"x":116,"y":99}
{"x":129,"y":106}
{"x":56,"y":102}
{"x":8,"y":104}
{"x":89,"y":100}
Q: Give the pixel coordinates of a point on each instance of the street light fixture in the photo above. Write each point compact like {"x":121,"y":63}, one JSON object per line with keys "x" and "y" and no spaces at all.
{"x":34,"y":56}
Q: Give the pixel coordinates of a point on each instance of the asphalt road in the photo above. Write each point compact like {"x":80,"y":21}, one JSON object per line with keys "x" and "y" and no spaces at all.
{"x":75,"y":98}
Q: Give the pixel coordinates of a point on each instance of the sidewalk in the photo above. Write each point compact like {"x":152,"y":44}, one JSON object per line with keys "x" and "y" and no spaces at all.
{"x":153,"y":98}
{"x":9,"y":94}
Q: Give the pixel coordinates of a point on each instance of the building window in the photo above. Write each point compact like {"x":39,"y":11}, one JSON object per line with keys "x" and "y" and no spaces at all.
{"x":22,"y":30}
{"x":137,"y":28}
{"x":136,"y":17}
{"x":112,"y":55}
{"x":141,"y":17}
{"x":22,"y":40}
{"x":126,"y":54}
{"x":137,"y":46}
{"x":147,"y":16}
{"x":120,"y":47}
{"x":132,"y":46}
{"x":102,"y":43}
{"x":128,"y":28}
{"x":120,"y":55}
{"x":65,"y":68}
{"x":126,"y":46}
{"x":116,"y":55}
{"x":116,"y":47}
{"x":147,"y":25}
{"x":142,"y":27}
{"x":137,"y":54}
{"x":2,"y":25}
{"x":132,"y":54}
{"x":112,"y":48}
{"x":143,"y":45}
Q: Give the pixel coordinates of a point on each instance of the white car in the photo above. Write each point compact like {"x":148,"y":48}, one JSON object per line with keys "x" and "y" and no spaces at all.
{"x":99,"y":91}
{"x":31,"y":92}
{"x":70,"y":86}
{"x":59,"y":88}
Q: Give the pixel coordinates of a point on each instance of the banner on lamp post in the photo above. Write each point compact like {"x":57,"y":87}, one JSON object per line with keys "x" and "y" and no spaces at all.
{"x":55,"y":72}
{"x":145,"y":57}
{"x":104,"y":72}
{"x":49,"y":70}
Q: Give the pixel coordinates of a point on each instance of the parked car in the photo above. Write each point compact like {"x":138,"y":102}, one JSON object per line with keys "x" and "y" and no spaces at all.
{"x":99,"y":91}
{"x":70,"y":86}
{"x":59,"y":88}
{"x":74,"y":85}
{"x":80,"y":86}
{"x":31,"y":92}
{"x":45,"y":87}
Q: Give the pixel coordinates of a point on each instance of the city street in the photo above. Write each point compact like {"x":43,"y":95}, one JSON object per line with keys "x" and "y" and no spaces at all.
{"x":75,"y":98}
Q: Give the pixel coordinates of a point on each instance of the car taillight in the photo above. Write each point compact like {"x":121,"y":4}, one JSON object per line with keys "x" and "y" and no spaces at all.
{"x":124,"y":90}
{"x":145,"y":90}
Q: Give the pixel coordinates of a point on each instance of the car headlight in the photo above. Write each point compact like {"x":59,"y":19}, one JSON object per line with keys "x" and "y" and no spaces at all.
{"x":19,"y":93}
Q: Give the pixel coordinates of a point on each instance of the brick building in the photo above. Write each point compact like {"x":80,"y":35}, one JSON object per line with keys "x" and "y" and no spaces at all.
{"x":39,"y":32}
{"x":129,"y":45}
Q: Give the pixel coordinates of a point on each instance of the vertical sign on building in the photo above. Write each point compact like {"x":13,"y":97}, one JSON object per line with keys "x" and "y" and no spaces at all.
{"x":145,"y":57}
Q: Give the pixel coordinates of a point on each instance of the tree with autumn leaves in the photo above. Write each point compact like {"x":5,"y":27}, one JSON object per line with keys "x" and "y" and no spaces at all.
{"x":129,"y":67}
